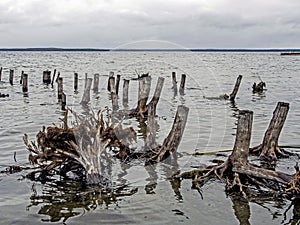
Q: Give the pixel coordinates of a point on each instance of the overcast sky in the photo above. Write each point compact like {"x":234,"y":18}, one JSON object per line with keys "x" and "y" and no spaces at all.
{"x":160,"y":23}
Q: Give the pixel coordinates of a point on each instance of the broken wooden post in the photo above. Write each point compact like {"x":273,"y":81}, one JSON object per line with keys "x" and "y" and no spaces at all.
{"x":63,"y":101}
{"x":96,"y":82}
{"x":269,"y":150}
{"x":21,"y":79}
{"x":172,"y":141}
{"x":143,"y":94}
{"x":53,"y":76}
{"x":47,"y":77}
{"x":58,"y":75}
{"x":111,"y":76}
{"x":114,"y":97}
{"x":86,"y":95}
{"x":157,"y":93}
{"x":118,"y":83}
{"x":236,"y":88}
{"x":0,"y":73}
{"x":60,"y":89}
{"x":182,"y":84}
{"x":174,"y":83}
{"x":25,"y":82}
{"x":11,"y":77}
{"x":75,"y":82}
{"x":125,"y":93}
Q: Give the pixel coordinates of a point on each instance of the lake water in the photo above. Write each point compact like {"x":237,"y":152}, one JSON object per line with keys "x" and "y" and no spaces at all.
{"x":149,"y":197}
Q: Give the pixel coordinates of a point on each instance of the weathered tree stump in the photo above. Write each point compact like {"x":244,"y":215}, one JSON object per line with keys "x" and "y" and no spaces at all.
{"x":182,"y":84}
{"x":87,"y":92}
{"x":111,"y":76}
{"x":113,"y":94}
{"x":174,"y":83}
{"x":236,"y":88}
{"x":125,"y":93}
{"x":143,"y":94}
{"x":96,"y":82}
{"x":269,"y":150}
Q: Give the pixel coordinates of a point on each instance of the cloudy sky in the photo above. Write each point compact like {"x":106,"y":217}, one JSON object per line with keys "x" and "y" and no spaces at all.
{"x":127,"y":23}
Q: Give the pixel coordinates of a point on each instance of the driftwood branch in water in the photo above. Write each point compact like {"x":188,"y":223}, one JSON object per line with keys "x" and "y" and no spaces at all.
{"x":269,"y":150}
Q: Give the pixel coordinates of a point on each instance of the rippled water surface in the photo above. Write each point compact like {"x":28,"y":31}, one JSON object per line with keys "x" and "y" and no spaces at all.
{"x":149,"y":197}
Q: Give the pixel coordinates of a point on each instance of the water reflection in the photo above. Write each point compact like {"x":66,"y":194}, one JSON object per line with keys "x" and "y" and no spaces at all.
{"x":60,"y":201}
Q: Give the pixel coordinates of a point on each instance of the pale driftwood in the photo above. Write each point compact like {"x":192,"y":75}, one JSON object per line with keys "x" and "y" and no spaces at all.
{"x":269,"y":149}
{"x":236,"y":88}
{"x":25,"y":82}
{"x":11,"y":77}
{"x":125,"y":93}
{"x":87,"y":92}
{"x":182,"y":84}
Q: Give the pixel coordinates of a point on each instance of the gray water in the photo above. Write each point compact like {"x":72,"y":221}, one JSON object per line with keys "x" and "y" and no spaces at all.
{"x":152,"y":197}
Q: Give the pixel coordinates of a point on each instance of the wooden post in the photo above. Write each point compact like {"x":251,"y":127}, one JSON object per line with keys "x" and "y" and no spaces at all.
{"x":269,"y":150}
{"x":174,"y":82}
{"x":117,"y":84}
{"x":111,"y":76}
{"x":11,"y":77}
{"x":236,"y":88}
{"x":21,"y":79}
{"x":75,"y":82}
{"x":58,"y":75}
{"x":151,"y":127}
{"x":172,"y":141}
{"x":182,"y":84}
{"x":47,"y":77}
{"x":53,"y":76}
{"x":63,"y":101}
{"x":0,"y":73}
{"x":25,"y":82}
{"x":86,"y":95}
{"x":85,"y":80}
{"x":96,"y":82}
{"x":125,"y":93}
{"x":60,"y":89}
{"x":144,"y":90}
{"x":114,"y":97}
{"x":157,"y":93}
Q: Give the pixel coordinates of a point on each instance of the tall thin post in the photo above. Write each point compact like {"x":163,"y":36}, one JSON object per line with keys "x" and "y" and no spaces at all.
{"x":85,"y":80}
{"x":0,"y":73}
{"x":75,"y":82}
{"x":118,"y":83}
{"x":174,"y":83}
{"x":60,"y":89}
{"x":96,"y":82}
{"x":53,"y":76}
{"x":236,"y":88}
{"x":63,"y":101}
{"x":182,"y":84}
{"x":114,"y":97}
{"x":144,"y":90}
{"x":25,"y":82}
{"x":11,"y":77}
{"x":21,"y":79}
{"x":111,"y":76}
{"x":125,"y":93}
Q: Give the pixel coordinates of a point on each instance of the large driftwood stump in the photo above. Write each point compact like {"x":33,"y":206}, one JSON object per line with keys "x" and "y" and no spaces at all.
{"x":269,"y":150}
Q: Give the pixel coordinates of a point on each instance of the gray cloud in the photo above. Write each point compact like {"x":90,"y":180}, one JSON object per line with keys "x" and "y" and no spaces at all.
{"x":189,"y":23}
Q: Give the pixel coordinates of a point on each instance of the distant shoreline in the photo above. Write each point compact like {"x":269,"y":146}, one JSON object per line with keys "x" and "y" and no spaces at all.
{"x":145,"y":50}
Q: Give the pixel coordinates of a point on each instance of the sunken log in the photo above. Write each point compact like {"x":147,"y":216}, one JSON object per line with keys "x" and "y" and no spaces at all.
{"x":125,"y":93}
{"x":269,"y":150}
{"x":86,"y":95}
{"x":236,"y":88}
